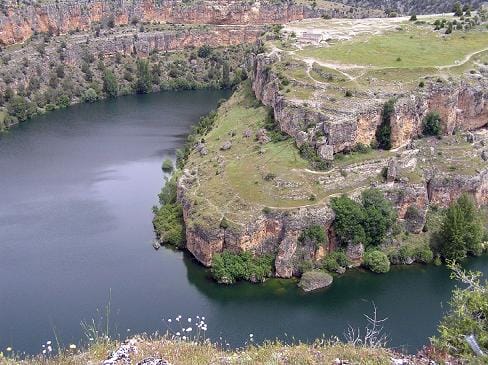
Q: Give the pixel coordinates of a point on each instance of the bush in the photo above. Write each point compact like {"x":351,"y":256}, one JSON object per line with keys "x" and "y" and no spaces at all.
{"x":21,"y":109}
{"x":431,"y":125}
{"x":229,"y":267}
{"x":335,"y":260}
{"x":204,"y":51}
{"x":314,"y":233}
{"x":90,"y":96}
{"x":167,"y":165}
{"x":424,"y":254}
{"x":376,"y":261}
{"x":168,"y":224}
{"x":468,"y":315}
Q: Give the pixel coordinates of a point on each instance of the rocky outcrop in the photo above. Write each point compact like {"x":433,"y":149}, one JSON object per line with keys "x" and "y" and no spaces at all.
{"x":444,"y":189}
{"x":276,"y":233}
{"x":314,"y":280}
{"x":19,"y":22}
{"x":462,"y":106}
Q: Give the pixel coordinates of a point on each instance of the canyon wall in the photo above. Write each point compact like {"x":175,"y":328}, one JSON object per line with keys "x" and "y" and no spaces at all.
{"x":275,"y":233}
{"x":462,"y":106}
{"x":19,"y":22}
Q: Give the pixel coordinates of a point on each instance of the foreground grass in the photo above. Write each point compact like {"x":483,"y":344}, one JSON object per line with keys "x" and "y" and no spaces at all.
{"x":190,"y":353}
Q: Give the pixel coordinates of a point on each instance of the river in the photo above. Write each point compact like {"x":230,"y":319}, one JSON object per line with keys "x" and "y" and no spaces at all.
{"x":76,"y":191}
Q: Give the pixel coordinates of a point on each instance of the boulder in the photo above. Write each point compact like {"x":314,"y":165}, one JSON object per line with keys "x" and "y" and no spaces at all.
{"x":301,"y":138}
{"x":262,"y":136}
{"x":201,"y":149}
{"x":326,"y":152}
{"x":313,"y":280}
{"x":226,"y":146}
{"x":392,"y":171}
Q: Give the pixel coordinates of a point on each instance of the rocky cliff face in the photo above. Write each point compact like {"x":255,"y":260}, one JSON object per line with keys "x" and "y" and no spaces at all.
{"x":275,"y":233}
{"x":19,"y":22}
{"x":462,"y":106}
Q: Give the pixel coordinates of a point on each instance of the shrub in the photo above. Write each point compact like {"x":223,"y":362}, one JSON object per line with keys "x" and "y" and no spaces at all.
{"x":335,"y":260}
{"x":90,"y":96}
{"x":167,"y":165}
{"x":431,"y":125}
{"x":376,"y":261}
{"x":224,"y":224}
{"x":20,"y":108}
{"x":314,"y":233}
{"x":168,"y":224}
{"x":229,"y":267}
{"x":424,"y":254}
{"x":467,"y":315}
{"x":204,"y":51}
{"x":413,"y":18}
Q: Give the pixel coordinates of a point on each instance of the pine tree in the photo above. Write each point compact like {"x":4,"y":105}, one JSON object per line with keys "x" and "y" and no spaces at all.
{"x":143,"y":83}
{"x":110,"y":84}
{"x":452,"y":246}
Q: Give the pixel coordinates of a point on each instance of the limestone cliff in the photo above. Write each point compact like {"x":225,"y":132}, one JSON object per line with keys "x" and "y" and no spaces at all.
{"x":19,"y":22}
{"x":463,"y":106}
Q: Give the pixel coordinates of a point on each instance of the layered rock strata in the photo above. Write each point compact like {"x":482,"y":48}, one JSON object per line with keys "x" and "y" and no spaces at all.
{"x":19,"y":22}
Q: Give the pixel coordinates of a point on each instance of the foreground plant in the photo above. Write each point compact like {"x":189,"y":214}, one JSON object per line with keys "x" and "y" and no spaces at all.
{"x":464,"y":330}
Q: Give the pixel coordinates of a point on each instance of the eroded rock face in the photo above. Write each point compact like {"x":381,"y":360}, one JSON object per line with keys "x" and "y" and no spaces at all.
{"x":443,"y":189}
{"x":462,"y":106}
{"x":19,"y":22}
{"x":277,"y":233}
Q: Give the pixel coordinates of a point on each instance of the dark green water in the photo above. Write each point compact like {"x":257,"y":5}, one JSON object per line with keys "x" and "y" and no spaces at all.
{"x":76,"y":191}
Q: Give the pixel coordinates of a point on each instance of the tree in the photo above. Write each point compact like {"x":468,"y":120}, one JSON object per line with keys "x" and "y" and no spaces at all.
{"x":431,"y":125}
{"x":462,"y":230}
{"x":20,"y":108}
{"x":143,"y":82}
{"x":349,"y":220}
{"x":204,"y":51}
{"x":110,"y":83}
{"x":367,"y":223}
{"x":225,"y":75}
{"x":458,"y":9}
{"x":379,"y":216}
{"x":383,"y":134}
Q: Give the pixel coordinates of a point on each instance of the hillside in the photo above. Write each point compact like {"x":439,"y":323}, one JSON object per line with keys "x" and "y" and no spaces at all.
{"x":263,"y":177}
